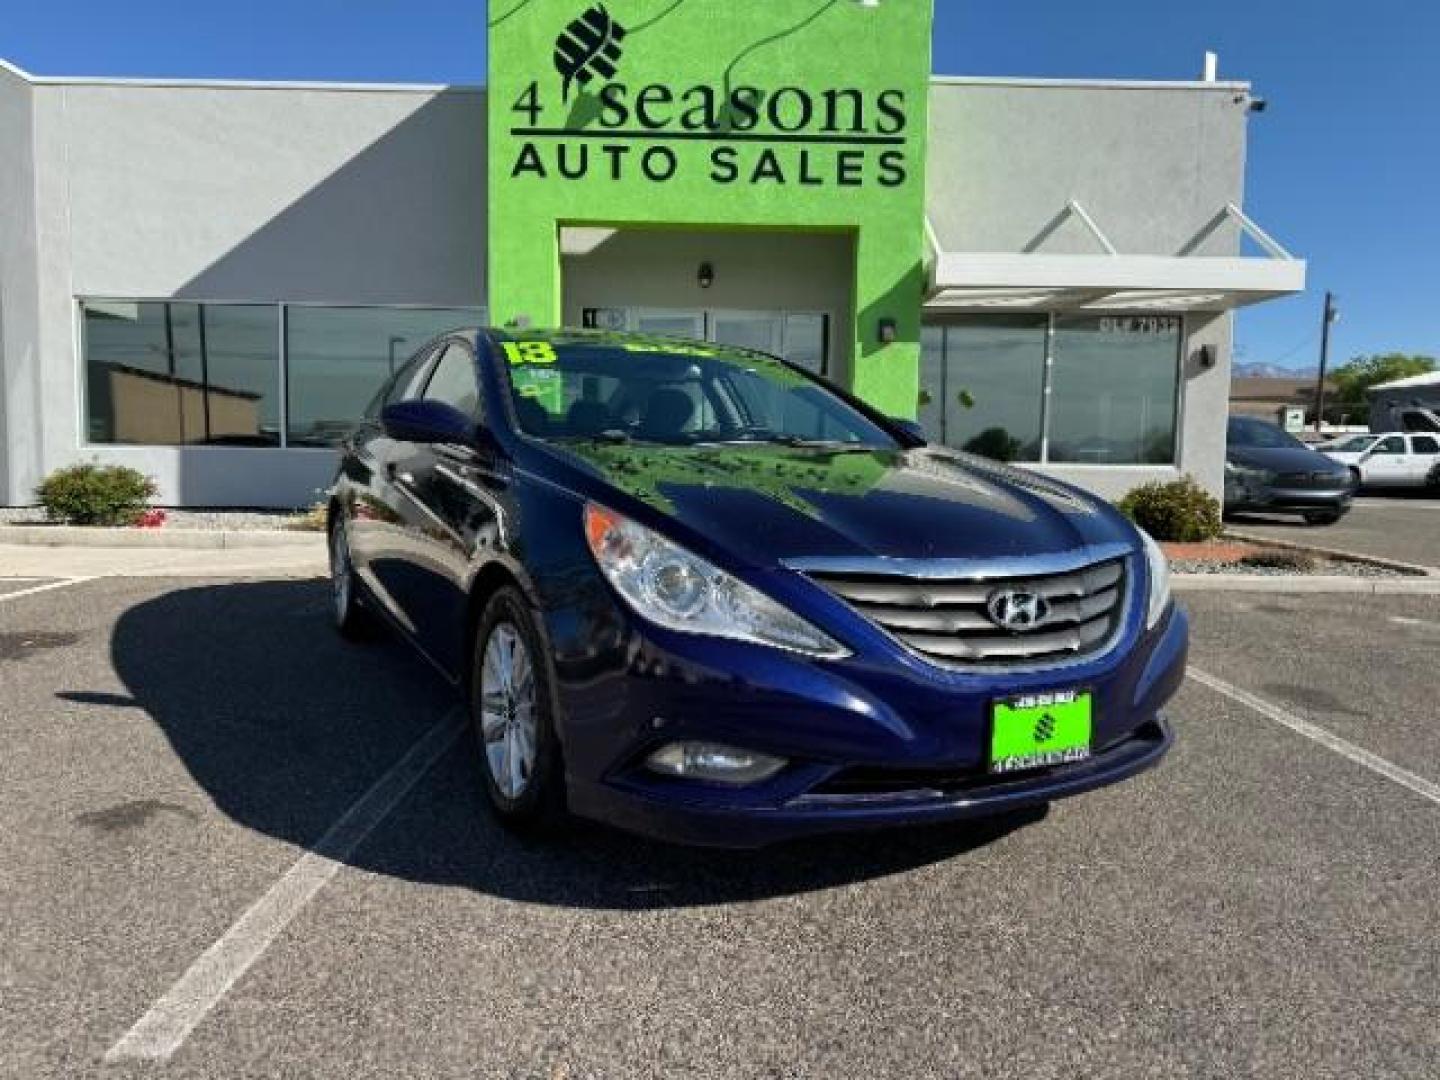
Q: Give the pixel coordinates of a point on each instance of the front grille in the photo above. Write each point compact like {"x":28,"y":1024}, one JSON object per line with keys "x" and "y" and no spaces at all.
{"x":947,"y":619}
{"x":1324,"y":481}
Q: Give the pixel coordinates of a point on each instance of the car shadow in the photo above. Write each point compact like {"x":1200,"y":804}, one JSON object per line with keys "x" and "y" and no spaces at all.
{"x":284,"y":726}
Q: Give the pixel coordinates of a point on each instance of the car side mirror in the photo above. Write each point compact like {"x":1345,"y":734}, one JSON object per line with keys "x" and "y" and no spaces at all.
{"x":912,"y":428}
{"x":428,"y":422}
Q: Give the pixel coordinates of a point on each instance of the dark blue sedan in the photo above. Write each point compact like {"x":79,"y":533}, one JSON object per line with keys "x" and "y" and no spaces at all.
{"x":698,"y":593}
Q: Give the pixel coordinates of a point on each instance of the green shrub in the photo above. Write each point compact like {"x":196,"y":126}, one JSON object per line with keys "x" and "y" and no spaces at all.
{"x":315,"y":519}
{"x":1180,"y":511}
{"x":95,"y":494}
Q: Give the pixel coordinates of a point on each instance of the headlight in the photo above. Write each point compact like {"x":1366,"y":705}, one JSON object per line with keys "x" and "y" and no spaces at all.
{"x":1246,"y":472}
{"x":670,"y":586}
{"x":1159,"y":575}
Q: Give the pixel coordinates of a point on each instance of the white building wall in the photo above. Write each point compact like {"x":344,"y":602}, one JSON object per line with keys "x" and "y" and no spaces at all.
{"x":19,"y":312}
{"x":230,"y":193}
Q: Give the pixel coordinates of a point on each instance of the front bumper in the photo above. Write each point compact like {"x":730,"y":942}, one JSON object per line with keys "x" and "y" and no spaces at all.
{"x":1292,"y":500}
{"x":873,"y":741}
{"x":935,"y":799}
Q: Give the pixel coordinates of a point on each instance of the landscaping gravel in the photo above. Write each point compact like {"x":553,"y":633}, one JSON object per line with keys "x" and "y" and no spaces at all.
{"x":1334,"y":568}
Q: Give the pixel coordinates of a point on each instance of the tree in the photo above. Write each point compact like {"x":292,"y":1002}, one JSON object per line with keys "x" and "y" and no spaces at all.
{"x":1354,"y":377}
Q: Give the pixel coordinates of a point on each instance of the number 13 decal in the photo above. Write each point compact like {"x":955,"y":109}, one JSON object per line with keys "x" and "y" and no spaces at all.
{"x":529,"y":352}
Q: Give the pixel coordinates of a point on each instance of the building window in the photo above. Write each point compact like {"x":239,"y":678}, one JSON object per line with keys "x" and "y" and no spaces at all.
{"x":1113,"y":386}
{"x":983,"y":384}
{"x":337,"y":358}
{"x":161,"y":373}
{"x":170,"y":374}
{"x":1113,"y":390}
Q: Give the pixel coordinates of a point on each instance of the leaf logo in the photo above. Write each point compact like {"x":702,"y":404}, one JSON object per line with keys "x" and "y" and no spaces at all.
{"x":589,"y":46}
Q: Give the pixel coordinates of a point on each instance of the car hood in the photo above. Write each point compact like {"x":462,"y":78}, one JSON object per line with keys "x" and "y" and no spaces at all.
{"x":764,"y":503}
{"x":1281,"y":459}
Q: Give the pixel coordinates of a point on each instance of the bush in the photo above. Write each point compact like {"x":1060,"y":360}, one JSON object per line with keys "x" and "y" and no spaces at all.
{"x":95,"y":494}
{"x":315,"y":519}
{"x":1180,"y":511}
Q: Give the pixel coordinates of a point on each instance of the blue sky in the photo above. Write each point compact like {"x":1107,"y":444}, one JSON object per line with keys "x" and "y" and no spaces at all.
{"x":1344,"y":166}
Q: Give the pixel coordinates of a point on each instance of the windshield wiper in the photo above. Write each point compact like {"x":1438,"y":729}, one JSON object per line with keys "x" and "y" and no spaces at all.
{"x":800,"y":442}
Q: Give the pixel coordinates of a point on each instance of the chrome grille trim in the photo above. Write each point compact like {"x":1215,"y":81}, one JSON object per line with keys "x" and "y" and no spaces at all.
{"x":944,"y":619}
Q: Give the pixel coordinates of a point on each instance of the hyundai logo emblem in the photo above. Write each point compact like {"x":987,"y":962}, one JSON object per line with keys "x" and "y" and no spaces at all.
{"x":1017,"y":609}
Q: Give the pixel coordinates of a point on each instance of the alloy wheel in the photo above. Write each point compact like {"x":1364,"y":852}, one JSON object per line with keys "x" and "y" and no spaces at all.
{"x":508,"y":710}
{"x":340,"y":572}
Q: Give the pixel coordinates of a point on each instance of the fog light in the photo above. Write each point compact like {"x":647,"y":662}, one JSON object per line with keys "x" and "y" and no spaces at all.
{"x":713,"y":761}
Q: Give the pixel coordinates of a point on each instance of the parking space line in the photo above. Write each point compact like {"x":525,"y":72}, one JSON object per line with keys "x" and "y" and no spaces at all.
{"x":169,"y":1022}
{"x":64,"y":583}
{"x":1426,"y":789}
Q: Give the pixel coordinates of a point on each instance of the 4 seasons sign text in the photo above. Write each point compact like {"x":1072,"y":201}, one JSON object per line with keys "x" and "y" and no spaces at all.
{"x":732,"y":134}
{"x":750,"y":135}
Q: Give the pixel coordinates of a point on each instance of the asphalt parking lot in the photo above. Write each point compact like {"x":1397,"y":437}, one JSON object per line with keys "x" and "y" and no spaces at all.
{"x":1394,"y":525}
{"x":178,"y":753}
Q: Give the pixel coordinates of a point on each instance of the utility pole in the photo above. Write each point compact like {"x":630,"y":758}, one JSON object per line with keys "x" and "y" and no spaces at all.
{"x":1330,"y":316}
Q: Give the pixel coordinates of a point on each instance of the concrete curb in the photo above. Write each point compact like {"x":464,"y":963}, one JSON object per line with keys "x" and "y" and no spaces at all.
{"x":1300,"y":583}
{"x":185,"y":539}
{"x":1336,"y":553}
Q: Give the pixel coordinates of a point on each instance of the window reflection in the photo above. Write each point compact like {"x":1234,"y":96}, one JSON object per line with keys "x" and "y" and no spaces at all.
{"x":1113,"y":384}
{"x":170,"y":374}
{"x":983,"y":381}
{"x":1113,"y":390}
{"x":338,"y":357}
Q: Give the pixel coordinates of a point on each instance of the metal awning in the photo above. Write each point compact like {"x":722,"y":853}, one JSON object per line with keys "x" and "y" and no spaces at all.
{"x":1111,"y":281}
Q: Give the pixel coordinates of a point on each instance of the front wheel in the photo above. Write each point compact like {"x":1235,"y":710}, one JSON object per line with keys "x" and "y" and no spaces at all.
{"x":513,"y":716}
{"x":351,"y":620}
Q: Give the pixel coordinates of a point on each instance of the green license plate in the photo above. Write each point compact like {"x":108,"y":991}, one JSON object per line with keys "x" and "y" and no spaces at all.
{"x":1039,"y":730}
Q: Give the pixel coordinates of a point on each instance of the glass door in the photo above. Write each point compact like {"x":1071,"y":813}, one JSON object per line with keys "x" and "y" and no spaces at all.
{"x":802,"y":337}
{"x":670,"y":322}
{"x":762,"y":330}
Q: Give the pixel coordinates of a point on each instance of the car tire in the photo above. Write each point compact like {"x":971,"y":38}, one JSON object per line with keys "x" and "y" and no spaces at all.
{"x":512,"y":714}
{"x":350,"y":617}
{"x":1322,"y":517}
{"x":1355,"y":477}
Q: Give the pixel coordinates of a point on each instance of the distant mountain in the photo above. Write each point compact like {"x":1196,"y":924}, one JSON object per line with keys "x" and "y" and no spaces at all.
{"x":1241,"y":370}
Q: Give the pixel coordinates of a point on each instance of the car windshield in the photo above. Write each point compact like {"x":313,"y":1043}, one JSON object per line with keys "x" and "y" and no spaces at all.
{"x":1356,"y":444}
{"x":674,"y":393}
{"x":1258,"y":434}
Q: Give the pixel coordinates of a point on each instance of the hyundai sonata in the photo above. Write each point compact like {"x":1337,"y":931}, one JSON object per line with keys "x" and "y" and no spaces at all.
{"x":699,"y":593}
